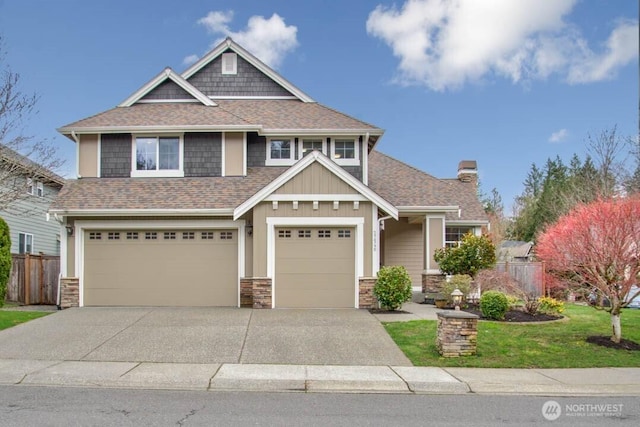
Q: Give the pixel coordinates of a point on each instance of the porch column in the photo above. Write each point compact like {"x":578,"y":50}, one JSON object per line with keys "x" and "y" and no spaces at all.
{"x":433,"y":231}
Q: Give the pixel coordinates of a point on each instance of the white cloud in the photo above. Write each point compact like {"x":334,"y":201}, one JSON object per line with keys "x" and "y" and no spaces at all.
{"x":268,"y":39}
{"x":444,"y":44}
{"x":559,"y":136}
{"x":190,"y":59}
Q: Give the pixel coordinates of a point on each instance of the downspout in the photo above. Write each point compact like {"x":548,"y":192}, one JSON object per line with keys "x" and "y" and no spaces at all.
{"x":63,"y":235}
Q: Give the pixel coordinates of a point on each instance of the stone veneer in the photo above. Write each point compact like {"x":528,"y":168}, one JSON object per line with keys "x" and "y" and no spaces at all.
{"x":69,"y":292}
{"x":457,"y":333}
{"x":255,"y":292}
{"x":432,"y":282}
{"x":366,"y":297}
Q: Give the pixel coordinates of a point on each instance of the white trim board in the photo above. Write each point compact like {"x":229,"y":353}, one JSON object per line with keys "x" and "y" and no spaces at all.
{"x":357,"y":222}
{"x":165,"y":74}
{"x":81,"y":226}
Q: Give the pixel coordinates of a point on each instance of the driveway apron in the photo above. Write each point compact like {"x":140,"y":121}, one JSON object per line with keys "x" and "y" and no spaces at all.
{"x":204,"y":335}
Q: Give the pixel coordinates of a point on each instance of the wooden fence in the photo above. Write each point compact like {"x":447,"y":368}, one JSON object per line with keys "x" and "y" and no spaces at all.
{"x":34,"y":279}
{"x":530,"y":275}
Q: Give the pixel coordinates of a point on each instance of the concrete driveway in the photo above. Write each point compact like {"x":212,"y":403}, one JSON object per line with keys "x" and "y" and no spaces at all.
{"x":205,"y":335}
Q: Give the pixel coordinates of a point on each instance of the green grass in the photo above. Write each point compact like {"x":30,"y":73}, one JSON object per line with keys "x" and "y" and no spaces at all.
{"x":13,"y":318}
{"x":548,"y":345}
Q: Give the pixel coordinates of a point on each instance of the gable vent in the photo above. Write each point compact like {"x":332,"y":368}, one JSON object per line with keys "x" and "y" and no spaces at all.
{"x":229,"y":63}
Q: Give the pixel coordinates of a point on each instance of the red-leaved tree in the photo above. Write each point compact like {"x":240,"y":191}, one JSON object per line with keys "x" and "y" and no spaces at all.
{"x":597,"y":247}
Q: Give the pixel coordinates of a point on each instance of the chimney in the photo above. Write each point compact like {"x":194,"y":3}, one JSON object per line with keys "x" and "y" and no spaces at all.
{"x":468,"y":171}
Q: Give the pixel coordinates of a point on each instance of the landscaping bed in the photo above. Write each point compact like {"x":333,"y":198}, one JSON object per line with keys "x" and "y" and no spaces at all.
{"x":539,"y":345}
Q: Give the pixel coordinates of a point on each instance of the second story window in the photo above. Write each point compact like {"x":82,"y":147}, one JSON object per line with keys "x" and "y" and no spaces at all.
{"x":309,"y":145}
{"x":280,"y":152}
{"x":35,"y":188}
{"x":157,"y":156}
{"x":345,"y":151}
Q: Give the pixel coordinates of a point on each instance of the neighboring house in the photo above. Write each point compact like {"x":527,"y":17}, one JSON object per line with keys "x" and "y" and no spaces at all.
{"x":515,"y":250}
{"x":26,"y":192}
{"x":226,"y":185}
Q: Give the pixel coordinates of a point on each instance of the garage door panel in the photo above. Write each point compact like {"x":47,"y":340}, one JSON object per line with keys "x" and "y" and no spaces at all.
{"x":188,"y":271}
{"x":315,"y":268}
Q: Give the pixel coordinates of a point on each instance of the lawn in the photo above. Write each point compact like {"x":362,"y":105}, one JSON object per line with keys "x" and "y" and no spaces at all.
{"x":550,"y":345}
{"x":13,"y":318}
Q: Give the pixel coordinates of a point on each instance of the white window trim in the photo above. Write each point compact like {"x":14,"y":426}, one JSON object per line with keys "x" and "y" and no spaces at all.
{"x":281,"y":162}
{"x":39,"y":189}
{"x":301,"y":143}
{"x":25,"y":243}
{"x":356,"y":147}
{"x":179,"y":173}
{"x":273,"y":222}
{"x":82,"y":226}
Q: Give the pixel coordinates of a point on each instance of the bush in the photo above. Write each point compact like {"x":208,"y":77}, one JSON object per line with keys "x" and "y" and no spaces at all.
{"x":494,"y":305}
{"x":475,"y":253}
{"x":514,"y":302}
{"x":550,"y":305}
{"x":459,"y":281}
{"x":5,"y":259}
{"x":393,"y":287}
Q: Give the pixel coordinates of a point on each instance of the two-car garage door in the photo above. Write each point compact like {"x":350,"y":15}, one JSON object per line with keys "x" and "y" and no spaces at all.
{"x":161,"y":268}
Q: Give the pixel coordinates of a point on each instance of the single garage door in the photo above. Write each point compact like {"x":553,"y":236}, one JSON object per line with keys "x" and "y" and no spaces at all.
{"x":315,"y":268}
{"x":161,"y":268}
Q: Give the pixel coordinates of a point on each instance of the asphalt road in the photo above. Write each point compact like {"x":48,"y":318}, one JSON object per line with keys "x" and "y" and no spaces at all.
{"x":53,"y":406}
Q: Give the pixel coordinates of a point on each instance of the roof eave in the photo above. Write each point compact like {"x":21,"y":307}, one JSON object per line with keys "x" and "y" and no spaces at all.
{"x":142,"y":212}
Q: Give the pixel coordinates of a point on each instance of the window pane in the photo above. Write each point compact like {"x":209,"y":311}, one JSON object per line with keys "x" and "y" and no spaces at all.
{"x":344,"y":149}
{"x":308,"y":145}
{"x":280,"y":149}
{"x":21,"y":243}
{"x":29,"y":246}
{"x":146,"y":151}
{"x":169,"y":153}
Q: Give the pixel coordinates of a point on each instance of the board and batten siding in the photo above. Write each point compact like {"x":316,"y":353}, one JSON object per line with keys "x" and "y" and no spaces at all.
{"x":404,"y":245}
{"x":30,"y":217}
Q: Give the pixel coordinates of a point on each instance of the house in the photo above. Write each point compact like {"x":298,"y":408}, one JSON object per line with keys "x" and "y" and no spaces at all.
{"x":514,"y":250}
{"x":26,"y":192}
{"x":227,"y":185}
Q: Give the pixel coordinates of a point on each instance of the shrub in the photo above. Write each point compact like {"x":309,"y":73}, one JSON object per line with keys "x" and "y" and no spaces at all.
{"x":494,"y":305}
{"x":550,"y":305}
{"x":393,"y":287}
{"x":459,"y":281}
{"x":5,"y":259}
{"x":475,"y":253}
{"x":513,"y":301}
{"x":531,"y":304}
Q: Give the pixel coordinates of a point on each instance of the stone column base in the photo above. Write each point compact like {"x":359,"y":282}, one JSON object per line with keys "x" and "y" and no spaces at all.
{"x":69,"y":292}
{"x":432,"y":282}
{"x":457,"y":333}
{"x":255,"y":292}
{"x":366,"y":297}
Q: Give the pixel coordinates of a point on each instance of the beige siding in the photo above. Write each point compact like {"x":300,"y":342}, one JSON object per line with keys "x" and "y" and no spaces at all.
{"x":404,"y":245}
{"x":305,"y":209}
{"x":234,"y":153}
{"x":71,"y":255}
{"x":88,"y":156}
{"x":316,"y":179}
{"x":436,"y":240}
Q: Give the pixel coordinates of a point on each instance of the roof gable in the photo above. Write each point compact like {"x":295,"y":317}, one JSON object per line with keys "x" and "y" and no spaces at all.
{"x":298,"y":168}
{"x":162,"y":83}
{"x":199,"y":73}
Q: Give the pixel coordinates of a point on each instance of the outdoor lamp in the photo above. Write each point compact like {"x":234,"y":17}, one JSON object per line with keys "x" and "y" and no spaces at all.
{"x":457,"y":298}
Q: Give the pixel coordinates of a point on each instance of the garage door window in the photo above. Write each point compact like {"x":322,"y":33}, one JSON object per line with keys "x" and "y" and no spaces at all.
{"x":151,"y":235}
{"x":304,"y":234}
{"x":188,"y":235}
{"x":344,"y":234}
{"x":207,"y":235}
{"x":95,"y":236}
{"x":113,"y":236}
{"x":284,"y":234}
{"x":132,"y":235}
{"x":169,"y":235}
{"x":226,"y":235}
{"x":324,"y":234}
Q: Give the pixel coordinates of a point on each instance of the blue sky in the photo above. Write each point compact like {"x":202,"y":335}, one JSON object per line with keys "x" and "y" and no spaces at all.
{"x":506,"y":83}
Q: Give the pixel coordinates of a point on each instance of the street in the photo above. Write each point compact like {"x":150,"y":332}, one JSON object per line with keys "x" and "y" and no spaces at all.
{"x":56,"y":406}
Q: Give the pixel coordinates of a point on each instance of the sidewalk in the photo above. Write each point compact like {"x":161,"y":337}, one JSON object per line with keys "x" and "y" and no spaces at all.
{"x":321,"y":378}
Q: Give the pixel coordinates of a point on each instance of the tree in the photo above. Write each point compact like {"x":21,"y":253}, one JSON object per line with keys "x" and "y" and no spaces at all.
{"x":5,"y":259}
{"x":475,"y":253}
{"x":596,"y":247}
{"x":21,"y":158}
{"x":494,"y":208}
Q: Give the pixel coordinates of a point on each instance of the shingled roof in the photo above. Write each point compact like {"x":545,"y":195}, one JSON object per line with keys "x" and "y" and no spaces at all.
{"x":96,"y":194}
{"x":264,"y":115}
{"x":404,"y":185}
